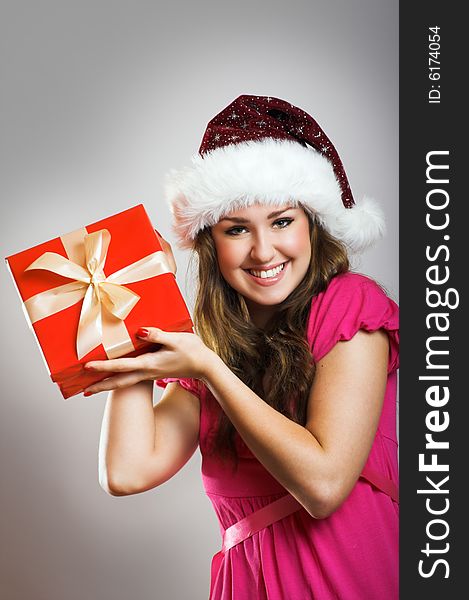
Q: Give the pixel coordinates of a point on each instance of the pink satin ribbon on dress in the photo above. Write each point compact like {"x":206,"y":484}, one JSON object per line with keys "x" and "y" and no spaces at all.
{"x":287,"y":505}
{"x":279,"y":509}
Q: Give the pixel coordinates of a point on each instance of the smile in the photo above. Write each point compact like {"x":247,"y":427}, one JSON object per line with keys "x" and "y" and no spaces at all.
{"x":266,"y":274}
{"x":267,"y":277}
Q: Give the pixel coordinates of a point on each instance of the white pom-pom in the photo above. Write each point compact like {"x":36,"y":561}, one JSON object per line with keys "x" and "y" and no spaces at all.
{"x":360,"y":226}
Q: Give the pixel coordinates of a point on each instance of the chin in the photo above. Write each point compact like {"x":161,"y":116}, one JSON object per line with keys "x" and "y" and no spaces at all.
{"x":266,"y":299}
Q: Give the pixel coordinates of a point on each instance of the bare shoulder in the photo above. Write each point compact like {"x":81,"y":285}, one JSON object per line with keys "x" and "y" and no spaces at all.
{"x":346,"y":401}
{"x":176,"y":418}
{"x":353,"y":373}
{"x":152,"y":454}
{"x":177,"y":423}
{"x":177,"y":414}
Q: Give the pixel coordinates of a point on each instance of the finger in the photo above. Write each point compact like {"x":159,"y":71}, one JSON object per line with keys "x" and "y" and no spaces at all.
{"x":162,"y":240}
{"x":166,"y":247}
{"x":116,"y":365}
{"x":114,"y":383}
{"x":154,"y":335}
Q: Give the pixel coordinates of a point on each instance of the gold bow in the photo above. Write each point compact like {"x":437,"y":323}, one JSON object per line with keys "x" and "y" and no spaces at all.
{"x":106,"y":302}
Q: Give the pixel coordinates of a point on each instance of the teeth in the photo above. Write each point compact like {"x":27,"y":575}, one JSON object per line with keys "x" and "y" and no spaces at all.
{"x":269,"y":273}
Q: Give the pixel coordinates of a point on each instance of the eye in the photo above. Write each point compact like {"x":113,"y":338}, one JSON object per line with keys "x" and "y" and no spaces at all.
{"x":277,"y":224}
{"x":282,"y":223}
{"x":235,"y":230}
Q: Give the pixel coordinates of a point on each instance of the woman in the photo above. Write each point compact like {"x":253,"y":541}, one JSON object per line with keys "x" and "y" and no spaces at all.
{"x":296,"y":430}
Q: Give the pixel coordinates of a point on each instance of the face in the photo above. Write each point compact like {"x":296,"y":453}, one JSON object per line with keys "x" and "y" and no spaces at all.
{"x":263,"y":253}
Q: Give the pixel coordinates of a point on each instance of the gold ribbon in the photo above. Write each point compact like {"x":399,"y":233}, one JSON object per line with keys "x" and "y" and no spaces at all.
{"x":106,"y":302}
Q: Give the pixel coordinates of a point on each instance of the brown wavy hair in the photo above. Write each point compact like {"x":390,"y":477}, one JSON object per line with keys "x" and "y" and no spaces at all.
{"x":222,"y":320}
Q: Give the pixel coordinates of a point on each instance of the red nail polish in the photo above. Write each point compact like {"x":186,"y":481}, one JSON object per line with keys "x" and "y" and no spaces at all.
{"x":142,"y":332}
{"x":87,"y":393}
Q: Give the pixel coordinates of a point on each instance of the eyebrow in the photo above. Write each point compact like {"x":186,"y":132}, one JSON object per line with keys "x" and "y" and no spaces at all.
{"x":271,"y":216}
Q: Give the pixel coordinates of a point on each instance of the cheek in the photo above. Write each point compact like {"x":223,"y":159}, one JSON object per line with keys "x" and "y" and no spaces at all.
{"x":228,"y":255}
{"x":299,"y":244}
{"x":297,"y":247}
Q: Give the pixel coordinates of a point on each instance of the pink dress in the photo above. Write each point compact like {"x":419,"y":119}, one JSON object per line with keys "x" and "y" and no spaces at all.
{"x":351,"y":555}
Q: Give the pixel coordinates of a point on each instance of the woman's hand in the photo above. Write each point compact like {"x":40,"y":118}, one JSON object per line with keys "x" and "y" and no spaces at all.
{"x":166,"y":247}
{"x":180,"y":355}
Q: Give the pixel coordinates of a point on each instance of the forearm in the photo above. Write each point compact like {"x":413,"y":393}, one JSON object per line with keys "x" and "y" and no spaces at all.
{"x":286,"y":449}
{"x":127,"y":433}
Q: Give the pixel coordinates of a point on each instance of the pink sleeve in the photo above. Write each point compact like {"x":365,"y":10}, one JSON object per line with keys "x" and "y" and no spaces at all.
{"x":352,"y":302}
{"x":192,"y":385}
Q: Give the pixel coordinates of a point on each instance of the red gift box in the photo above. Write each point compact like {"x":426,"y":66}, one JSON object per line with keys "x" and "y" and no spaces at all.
{"x":86,"y":294}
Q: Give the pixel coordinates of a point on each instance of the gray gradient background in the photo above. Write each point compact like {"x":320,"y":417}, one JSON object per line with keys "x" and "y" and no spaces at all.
{"x":99,"y":99}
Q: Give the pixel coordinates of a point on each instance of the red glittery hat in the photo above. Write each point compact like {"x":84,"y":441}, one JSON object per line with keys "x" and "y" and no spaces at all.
{"x":264,"y":150}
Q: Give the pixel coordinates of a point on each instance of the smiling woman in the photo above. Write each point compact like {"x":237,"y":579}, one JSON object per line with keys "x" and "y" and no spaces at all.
{"x":266,"y":258}
{"x":289,"y":384}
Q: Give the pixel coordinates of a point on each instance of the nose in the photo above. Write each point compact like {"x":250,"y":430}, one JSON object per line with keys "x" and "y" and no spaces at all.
{"x":263,"y":250}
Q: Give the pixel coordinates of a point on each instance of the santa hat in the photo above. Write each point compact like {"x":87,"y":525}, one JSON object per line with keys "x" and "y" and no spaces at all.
{"x":264,"y":150}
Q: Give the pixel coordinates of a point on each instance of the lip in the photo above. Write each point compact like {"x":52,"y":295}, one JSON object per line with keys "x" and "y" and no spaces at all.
{"x":268,"y":281}
{"x":266,"y":268}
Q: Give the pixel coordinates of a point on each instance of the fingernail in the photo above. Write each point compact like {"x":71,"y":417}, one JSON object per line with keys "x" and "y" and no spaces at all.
{"x":87,"y":393}
{"x":88,"y":367}
{"x":142,"y":332}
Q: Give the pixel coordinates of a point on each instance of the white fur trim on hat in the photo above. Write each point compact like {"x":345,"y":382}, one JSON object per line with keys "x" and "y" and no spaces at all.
{"x":271,"y":172}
